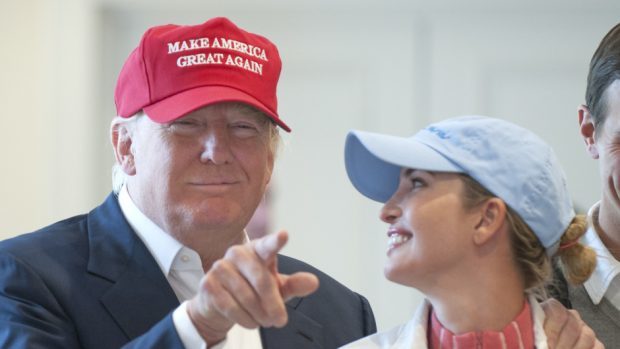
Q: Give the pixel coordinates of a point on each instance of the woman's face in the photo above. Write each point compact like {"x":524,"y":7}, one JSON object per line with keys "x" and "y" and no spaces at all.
{"x":430,"y":230}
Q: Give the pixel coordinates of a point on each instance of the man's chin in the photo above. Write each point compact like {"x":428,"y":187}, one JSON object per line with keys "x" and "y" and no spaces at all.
{"x":215,"y":220}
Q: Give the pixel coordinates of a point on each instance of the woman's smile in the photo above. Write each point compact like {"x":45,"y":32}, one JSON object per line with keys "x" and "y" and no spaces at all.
{"x":396,"y":238}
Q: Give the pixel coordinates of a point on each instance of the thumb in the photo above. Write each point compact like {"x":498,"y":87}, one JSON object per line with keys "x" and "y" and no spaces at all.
{"x":297,"y":285}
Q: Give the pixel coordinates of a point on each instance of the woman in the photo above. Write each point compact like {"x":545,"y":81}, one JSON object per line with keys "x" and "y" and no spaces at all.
{"x":477,"y":207}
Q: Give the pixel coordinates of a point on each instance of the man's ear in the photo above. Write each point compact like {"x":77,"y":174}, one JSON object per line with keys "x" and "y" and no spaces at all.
{"x":587,"y":130}
{"x":122,"y":143}
{"x":491,"y":219}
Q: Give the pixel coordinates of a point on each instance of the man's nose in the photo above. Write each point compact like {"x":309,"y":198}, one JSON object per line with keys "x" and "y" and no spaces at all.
{"x":216,"y":146}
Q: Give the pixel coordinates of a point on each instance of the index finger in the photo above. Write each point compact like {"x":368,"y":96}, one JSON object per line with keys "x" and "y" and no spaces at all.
{"x":268,"y":247}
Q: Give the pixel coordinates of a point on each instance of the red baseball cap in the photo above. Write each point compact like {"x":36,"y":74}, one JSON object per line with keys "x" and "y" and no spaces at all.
{"x":178,"y":69}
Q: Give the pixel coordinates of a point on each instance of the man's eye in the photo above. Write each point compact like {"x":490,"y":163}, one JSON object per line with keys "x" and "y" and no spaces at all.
{"x":244,"y":126}
{"x":184,"y":127}
{"x":184,"y":123}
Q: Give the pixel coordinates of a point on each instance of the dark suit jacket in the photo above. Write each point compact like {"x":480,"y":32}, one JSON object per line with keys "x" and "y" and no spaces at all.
{"x":603,"y":318}
{"x":90,"y":282}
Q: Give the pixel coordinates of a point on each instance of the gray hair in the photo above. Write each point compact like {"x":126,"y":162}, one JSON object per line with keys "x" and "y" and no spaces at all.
{"x":119,"y":177}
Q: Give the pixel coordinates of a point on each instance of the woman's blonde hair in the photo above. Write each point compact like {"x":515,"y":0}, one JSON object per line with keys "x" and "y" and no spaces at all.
{"x":577,"y":261}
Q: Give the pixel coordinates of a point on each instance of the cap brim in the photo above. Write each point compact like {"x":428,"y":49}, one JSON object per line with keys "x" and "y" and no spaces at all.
{"x":176,"y":106}
{"x":373,"y":162}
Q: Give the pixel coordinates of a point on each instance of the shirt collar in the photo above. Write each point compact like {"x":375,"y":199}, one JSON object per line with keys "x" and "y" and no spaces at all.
{"x":607,"y":267}
{"x":519,"y":333}
{"x":167,"y":251}
{"x":414,"y":334}
{"x":163,"y":247}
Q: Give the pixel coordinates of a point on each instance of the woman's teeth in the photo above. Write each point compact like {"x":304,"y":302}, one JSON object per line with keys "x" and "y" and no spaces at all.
{"x":396,"y":240}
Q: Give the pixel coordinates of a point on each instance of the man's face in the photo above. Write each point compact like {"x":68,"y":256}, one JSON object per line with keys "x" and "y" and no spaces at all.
{"x":204,"y":172}
{"x":603,"y":143}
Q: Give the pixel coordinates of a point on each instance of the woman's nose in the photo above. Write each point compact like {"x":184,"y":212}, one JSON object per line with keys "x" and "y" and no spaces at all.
{"x":390,"y":211}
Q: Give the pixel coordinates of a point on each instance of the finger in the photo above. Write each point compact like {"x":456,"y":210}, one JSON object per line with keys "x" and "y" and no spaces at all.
{"x":587,"y":339}
{"x":575,"y":314}
{"x":267,"y":247}
{"x":571,"y":331}
{"x":265,"y":303}
{"x":231,"y":296}
{"x":298,"y":285}
{"x":555,"y":318}
{"x":598,"y":345}
{"x":212,"y":331}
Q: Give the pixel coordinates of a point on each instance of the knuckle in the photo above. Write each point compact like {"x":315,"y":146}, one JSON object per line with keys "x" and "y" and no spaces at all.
{"x":227,"y":309}
{"x":281,"y":320}
{"x":574,"y":324}
{"x":223,"y":306}
{"x":219,"y":268}
{"x":248,"y":323}
{"x":588,"y":332}
{"x":588,"y":337}
{"x":575,"y":314}
{"x":235,"y":252}
{"x":276,"y":311}
{"x":264,"y":285}
{"x":246,"y":298}
{"x":209,"y":284}
{"x":217,"y":265}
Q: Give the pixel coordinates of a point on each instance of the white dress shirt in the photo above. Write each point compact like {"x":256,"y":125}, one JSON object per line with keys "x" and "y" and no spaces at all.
{"x":183,"y":270}
{"x":604,"y":281}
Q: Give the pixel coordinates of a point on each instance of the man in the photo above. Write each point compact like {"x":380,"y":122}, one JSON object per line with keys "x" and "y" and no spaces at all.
{"x":598,"y":300}
{"x":195,"y":142}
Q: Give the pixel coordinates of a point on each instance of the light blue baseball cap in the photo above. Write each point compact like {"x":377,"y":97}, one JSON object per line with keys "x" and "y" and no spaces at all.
{"x":508,"y":160}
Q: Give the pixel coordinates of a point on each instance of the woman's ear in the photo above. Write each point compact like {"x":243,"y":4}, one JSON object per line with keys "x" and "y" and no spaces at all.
{"x":492,"y":217}
{"x":122,"y":142}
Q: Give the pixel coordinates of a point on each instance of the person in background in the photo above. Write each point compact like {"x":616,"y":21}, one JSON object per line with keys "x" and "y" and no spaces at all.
{"x":165,"y":262}
{"x":476,"y":208}
{"x":598,"y":299}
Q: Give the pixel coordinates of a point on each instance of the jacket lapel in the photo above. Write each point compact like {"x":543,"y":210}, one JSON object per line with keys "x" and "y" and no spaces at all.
{"x":139,"y":295}
{"x":610,"y":311}
{"x":301,"y":332}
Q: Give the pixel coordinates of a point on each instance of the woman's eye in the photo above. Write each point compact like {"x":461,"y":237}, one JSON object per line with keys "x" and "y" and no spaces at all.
{"x":417,"y":182}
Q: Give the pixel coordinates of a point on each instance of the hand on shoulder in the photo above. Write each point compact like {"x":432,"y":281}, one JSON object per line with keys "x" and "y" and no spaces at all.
{"x":565,"y":329}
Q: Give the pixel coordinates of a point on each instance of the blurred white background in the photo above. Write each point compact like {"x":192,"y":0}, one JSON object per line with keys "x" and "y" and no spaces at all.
{"x":385,"y":66}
